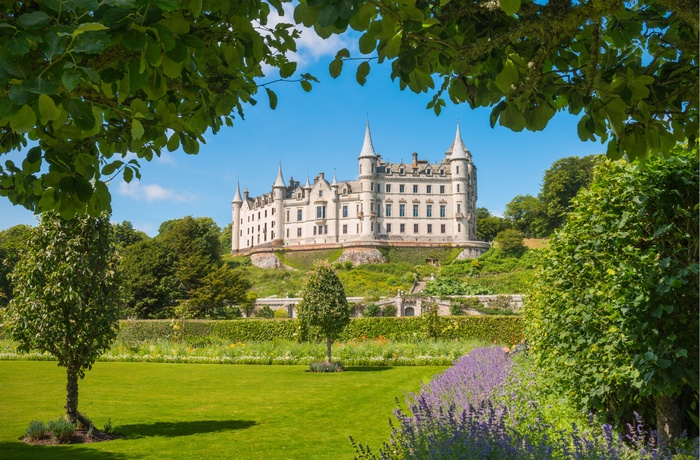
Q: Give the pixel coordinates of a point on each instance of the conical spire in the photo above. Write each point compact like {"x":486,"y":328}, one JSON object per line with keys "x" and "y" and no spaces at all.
{"x":367,"y":147}
{"x":307,"y":182}
{"x":280,"y":181}
{"x":237,"y":196}
{"x":458,"y":150}
{"x":335,"y":181}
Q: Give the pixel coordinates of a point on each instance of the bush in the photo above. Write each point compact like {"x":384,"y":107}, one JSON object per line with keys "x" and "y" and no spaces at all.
{"x":371,"y":310}
{"x":451,"y":286}
{"x":61,"y":430}
{"x":431,"y":320}
{"x":456,"y":309}
{"x":265,"y":312}
{"x":389,"y":310}
{"x":36,"y":430}
{"x":510,"y":241}
{"x":281,"y":313}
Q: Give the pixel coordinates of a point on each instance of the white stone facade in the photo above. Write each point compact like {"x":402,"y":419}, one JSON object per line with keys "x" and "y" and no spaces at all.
{"x":390,"y":203}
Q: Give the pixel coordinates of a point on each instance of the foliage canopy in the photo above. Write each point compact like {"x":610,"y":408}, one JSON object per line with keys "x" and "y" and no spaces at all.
{"x":612,"y":315}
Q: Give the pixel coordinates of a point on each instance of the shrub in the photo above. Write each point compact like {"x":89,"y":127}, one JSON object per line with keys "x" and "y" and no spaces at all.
{"x":371,"y":310}
{"x":323,"y":366}
{"x":347,"y":265}
{"x":281,"y":313}
{"x":431,"y":320}
{"x":108,"y":426}
{"x":389,"y":310}
{"x":451,"y":286}
{"x":265,"y":312}
{"x":61,"y":430}
{"x":36,"y":430}
{"x":510,"y":241}
{"x":456,"y":309}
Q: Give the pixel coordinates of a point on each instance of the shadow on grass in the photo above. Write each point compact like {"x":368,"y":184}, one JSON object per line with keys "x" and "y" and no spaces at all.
{"x":175,"y":429}
{"x":368,"y":369}
{"x":19,"y":450}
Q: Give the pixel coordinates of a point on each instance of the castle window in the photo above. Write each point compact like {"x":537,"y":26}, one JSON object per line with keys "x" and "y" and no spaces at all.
{"x":258,"y":227}
{"x":273,"y":223}
{"x":272,"y":235}
{"x":402,"y":210}
{"x":430,"y":228}
{"x":442,"y":210}
{"x":320,"y":193}
{"x":457,"y":188}
{"x":415,"y":210}
{"x":401,"y":171}
{"x":457,"y":169}
{"x":443,"y":228}
{"x":241,"y":233}
{"x":325,"y":229}
{"x":357,"y":229}
{"x":287,"y":216}
{"x":388,"y":228}
{"x":387,"y":188}
{"x":401,"y":188}
{"x":345,"y":229}
{"x":259,"y":215}
{"x":442,"y":172}
{"x":415,"y":228}
{"x":247,"y":242}
{"x":429,"y":210}
{"x":428,"y":189}
{"x":459,"y":228}
{"x":241,"y":221}
{"x":388,"y":210}
{"x":427,"y":171}
{"x":371,"y":187}
{"x":459,"y":207}
{"x":320,"y":212}
{"x":345,"y":211}
{"x":299,"y":196}
{"x":415,"y":189}
{"x":273,"y":211}
{"x":442,"y":189}
{"x":314,"y":229}
{"x":266,"y":213}
{"x":299,"y":232}
{"x":287,"y":233}
{"x":258,"y":239}
{"x":298,"y":214}
{"x":402,"y":228}
{"x":371,"y":226}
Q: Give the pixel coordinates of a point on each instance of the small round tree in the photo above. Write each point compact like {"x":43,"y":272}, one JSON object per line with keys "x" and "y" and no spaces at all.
{"x":613,"y":313}
{"x":324,"y":305}
{"x":66,"y":296}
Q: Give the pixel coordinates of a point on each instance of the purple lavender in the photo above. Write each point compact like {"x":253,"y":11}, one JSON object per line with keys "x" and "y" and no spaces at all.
{"x":459,"y":415}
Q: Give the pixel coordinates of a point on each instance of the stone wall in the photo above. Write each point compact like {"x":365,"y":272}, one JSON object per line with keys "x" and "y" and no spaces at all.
{"x":471,"y":253}
{"x":361,"y":256}
{"x":267,"y":260}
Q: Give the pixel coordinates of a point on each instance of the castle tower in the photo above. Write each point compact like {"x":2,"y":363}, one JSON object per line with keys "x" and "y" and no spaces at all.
{"x":334,"y":209}
{"x":236,"y":222}
{"x":278,"y":193}
{"x":368,"y":191}
{"x":459,"y":165}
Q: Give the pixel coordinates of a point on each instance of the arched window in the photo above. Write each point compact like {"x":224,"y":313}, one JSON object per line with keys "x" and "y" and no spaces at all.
{"x":409,"y":311}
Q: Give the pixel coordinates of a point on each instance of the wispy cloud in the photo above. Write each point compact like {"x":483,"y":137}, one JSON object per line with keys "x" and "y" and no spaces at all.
{"x":151,"y":192}
{"x":310,"y":47}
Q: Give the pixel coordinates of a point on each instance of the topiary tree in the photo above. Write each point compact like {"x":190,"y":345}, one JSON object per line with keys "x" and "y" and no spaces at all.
{"x":66,"y":296}
{"x":324,"y":305}
{"x":613,"y":313}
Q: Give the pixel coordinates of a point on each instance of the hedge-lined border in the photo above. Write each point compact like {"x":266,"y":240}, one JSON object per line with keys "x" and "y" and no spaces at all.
{"x":506,"y":330}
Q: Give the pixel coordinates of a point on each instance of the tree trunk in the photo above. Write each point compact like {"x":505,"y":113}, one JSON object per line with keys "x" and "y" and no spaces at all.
{"x":72,"y":394}
{"x":668,"y":418}
{"x":329,"y":342}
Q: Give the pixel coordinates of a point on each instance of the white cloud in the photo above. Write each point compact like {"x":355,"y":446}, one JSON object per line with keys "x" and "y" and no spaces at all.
{"x":151,"y":192}
{"x":310,"y":47}
{"x":165,"y":158}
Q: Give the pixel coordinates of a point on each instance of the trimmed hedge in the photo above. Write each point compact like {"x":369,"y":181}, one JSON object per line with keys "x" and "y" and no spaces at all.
{"x":499,"y":329}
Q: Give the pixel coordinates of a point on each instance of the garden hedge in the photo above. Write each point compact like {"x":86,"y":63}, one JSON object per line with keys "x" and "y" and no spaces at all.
{"x":499,"y":329}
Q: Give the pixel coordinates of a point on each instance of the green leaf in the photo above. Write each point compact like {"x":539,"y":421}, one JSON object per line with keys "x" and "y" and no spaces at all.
{"x":306,"y":85}
{"x":273,"y":98}
{"x":335,"y":67}
{"x":136,"y":129}
{"x":196,"y":7}
{"x":71,"y":77}
{"x":510,"y":7}
{"x":512,"y":118}
{"x":392,"y":47}
{"x":92,"y":42}
{"x":128,"y":174}
{"x":81,"y":113}
{"x":109,"y":168}
{"x":34,"y":20}
{"x":507,"y":76}
{"x":39,"y":86}
{"x":47,"y":108}
{"x":88,"y":27}
{"x":168,"y":5}
{"x":362,"y":72}
{"x":17,"y":45}
{"x":288,"y":69}
{"x":24,"y":120}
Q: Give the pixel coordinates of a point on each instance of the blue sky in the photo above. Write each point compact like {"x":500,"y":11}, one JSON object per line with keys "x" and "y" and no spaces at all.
{"x":322,"y":131}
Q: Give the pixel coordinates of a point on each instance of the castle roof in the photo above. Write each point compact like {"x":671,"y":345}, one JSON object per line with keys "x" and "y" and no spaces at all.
{"x":458,"y":151}
{"x":237,"y":197}
{"x":367,"y":147}
{"x":280,"y":181}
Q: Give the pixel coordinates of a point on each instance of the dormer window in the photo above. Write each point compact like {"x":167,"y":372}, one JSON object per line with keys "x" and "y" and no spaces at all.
{"x":299,"y":196}
{"x":320,"y":193}
{"x":427,"y":171}
{"x":388,"y":171}
{"x":401,"y":171}
{"x":442,"y":172}
{"x":345,"y":191}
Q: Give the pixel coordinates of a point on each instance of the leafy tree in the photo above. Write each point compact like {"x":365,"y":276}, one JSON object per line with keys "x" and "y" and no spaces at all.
{"x":66,"y":296}
{"x":151,"y":286}
{"x":125,"y":235}
{"x":488,"y":227}
{"x":482,"y":213}
{"x":560,"y":184}
{"x":510,"y":241}
{"x":11,"y":243}
{"x":323,"y":304}
{"x":222,"y":289}
{"x":92,"y":81}
{"x":613,"y":313}
{"x":630,"y":67}
{"x":527,"y":215}
{"x":192,"y":234}
{"x":225,"y":239}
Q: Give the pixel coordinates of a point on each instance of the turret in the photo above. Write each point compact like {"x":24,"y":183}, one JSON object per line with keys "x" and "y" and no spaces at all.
{"x":459,"y":165}
{"x":278,"y":193}
{"x":368,"y":192}
{"x":236,"y":219}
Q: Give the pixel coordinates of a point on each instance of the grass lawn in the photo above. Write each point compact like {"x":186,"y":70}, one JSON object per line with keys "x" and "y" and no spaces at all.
{"x":207,"y":411}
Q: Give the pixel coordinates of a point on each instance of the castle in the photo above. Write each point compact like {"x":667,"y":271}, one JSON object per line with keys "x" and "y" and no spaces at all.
{"x":414,"y":204}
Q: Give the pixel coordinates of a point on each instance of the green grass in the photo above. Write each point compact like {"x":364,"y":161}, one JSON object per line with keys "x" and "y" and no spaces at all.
{"x":207,"y":411}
